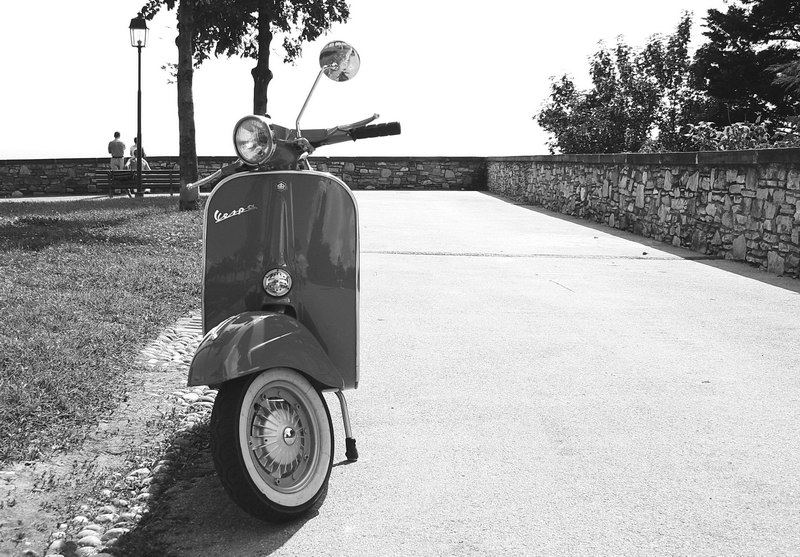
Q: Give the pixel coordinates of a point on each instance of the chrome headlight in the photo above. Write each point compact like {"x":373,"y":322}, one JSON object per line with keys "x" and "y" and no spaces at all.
{"x":277,"y":282}
{"x":254,"y":140}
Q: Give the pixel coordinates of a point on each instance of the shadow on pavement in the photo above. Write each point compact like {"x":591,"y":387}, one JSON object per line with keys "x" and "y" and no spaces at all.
{"x":193,"y":515}
{"x":736,"y":267}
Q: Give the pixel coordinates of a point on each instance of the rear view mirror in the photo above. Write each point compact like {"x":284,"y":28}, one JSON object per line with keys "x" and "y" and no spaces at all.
{"x":339,"y":61}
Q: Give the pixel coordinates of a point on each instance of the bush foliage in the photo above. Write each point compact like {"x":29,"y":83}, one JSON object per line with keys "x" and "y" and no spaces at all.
{"x":707,"y":136}
{"x":740,"y":90}
{"x":637,"y":97}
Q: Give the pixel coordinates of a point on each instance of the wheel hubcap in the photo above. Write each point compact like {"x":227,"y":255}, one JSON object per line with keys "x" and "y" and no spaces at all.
{"x":280,"y":440}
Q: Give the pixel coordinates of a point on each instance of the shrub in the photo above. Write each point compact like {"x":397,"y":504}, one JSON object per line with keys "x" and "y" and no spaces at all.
{"x":706,"y":136}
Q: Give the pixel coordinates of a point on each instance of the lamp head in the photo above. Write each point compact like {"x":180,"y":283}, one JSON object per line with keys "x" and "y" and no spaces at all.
{"x":138,"y":29}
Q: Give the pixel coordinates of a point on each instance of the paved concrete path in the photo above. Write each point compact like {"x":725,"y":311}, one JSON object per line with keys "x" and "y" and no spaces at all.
{"x":535,"y":384}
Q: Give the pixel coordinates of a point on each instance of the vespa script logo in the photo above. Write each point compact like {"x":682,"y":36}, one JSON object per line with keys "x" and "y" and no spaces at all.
{"x":219,"y":217}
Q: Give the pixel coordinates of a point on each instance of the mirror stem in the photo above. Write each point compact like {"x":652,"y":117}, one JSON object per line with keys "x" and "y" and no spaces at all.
{"x":319,"y":75}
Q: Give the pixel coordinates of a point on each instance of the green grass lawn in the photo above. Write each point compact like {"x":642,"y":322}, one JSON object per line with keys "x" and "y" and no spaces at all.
{"x":84,"y":285}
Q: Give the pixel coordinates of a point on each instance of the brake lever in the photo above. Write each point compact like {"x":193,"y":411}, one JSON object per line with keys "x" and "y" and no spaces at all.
{"x":223,"y":172}
{"x":348,"y":127}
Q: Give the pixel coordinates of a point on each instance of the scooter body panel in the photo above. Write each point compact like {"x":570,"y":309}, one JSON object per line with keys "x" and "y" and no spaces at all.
{"x":303,"y":222}
{"x":254,"y":341}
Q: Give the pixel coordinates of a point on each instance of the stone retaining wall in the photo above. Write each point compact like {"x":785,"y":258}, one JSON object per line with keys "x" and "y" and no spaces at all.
{"x":742,"y":205}
{"x":34,"y":177}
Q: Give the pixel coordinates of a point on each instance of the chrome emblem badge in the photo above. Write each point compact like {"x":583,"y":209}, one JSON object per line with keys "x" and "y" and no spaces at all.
{"x":281,"y":186}
{"x":219,"y":216}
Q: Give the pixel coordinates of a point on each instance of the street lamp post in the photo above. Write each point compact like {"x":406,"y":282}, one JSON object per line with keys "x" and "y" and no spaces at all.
{"x":138,"y":29}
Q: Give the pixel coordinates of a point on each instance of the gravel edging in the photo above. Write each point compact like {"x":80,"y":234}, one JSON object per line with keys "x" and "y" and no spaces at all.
{"x":123,"y":498}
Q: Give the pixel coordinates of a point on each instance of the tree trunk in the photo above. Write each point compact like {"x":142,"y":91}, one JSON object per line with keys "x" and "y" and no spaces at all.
{"x":187,"y":151}
{"x":261,"y":73}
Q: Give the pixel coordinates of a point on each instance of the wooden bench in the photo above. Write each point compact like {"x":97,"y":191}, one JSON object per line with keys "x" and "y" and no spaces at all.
{"x":125,"y":180}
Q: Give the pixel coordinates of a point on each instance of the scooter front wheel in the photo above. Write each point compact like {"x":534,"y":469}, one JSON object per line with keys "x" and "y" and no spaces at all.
{"x":272,"y":443}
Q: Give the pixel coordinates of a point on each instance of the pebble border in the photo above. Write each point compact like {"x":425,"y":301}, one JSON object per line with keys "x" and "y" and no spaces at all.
{"x":124,"y":500}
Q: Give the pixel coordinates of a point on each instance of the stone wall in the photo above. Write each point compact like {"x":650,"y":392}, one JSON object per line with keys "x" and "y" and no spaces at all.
{"x":35,"y":177}
{"x":742,"y":205}
{"x":465,"y":173}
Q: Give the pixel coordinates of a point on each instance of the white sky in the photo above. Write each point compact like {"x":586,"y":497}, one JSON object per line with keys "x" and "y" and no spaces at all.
{"x":463,"y":78}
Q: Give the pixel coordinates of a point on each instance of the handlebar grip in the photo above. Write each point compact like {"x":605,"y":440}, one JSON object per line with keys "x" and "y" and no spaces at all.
{"x":376,"y":130}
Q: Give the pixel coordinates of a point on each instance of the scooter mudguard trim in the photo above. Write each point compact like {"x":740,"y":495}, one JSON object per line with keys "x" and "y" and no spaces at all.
{"x":251,"y":342}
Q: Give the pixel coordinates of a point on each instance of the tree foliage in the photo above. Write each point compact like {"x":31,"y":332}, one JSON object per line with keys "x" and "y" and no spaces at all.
{"x":639,"y":98}
{"x":748,"y":68}
{"x":230,"y":28}
{"x":246,"y":28}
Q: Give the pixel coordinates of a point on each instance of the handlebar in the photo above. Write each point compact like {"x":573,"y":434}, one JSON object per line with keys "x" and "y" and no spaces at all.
{"x":348,"y":133}
{"x":376,"y":130}
{"x":289,"y":152}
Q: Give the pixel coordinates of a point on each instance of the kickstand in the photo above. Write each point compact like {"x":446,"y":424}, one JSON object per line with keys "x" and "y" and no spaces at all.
{"x":350,"y":443}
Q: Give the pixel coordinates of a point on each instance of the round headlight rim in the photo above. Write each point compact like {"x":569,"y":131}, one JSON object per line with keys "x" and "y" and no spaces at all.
{"x":269,"y":153}
{"x":275,"y":271}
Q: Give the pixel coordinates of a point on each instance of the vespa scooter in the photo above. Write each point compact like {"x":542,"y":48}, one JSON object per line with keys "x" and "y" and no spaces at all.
{"x":280,"y":308}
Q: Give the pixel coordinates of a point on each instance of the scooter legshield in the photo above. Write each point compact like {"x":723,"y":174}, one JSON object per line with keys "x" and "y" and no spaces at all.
{"x":305,"y":223}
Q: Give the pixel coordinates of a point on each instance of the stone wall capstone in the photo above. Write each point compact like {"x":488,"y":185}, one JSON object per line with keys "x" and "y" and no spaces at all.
{"x":39,"y":177}
{"x":742,"y":205}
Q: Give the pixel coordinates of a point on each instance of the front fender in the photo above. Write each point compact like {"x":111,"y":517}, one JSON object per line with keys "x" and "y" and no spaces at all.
{"x":254,"y":341}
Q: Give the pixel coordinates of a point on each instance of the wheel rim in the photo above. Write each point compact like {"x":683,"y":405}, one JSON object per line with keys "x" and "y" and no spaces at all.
{"x":282,"y":436}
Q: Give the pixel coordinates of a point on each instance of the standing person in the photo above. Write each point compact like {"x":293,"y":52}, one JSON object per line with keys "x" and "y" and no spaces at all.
{"x":116,"y":149}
